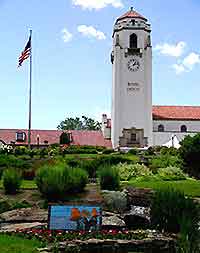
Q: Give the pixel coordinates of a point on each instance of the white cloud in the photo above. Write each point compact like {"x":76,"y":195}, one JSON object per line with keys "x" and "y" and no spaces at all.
{"x":97,"y":4}
{"x":179,"y":68}
{"x":91,"y":32}
{"x":66,"y":35}
{"x":170,"y":49}
{"x":187,"y":64}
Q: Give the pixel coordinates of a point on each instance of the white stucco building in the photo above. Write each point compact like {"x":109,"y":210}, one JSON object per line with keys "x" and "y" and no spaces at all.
{"x":134,"y":121}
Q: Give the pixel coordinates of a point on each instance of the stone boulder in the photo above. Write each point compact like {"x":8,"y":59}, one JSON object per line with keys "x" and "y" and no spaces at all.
{"x":25,"y":215}
{"x":14,"y":227}
{"x":112,"y":221}
{"x":139,"y":196}
{"x":137,"y":218}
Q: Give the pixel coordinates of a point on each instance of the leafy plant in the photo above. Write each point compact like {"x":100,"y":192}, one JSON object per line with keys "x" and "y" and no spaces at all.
{"x":128,"y":171}
{"x":109,"y":178}
{"x":172,"y":212}
{"x":171,"y":173}
{"x":189,"y":152}
{"x":11,"y":181}
{"x":164,"y":161}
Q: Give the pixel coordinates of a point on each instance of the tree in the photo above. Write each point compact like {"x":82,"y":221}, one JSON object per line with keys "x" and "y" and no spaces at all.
{"x":190,"y":153}
{"x":83,"y":123}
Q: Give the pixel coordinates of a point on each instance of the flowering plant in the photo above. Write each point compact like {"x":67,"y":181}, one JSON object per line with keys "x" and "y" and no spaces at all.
{"x":49,"y":236}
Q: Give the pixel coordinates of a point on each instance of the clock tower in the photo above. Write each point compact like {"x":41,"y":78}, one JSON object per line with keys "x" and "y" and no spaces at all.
{"x":132,"y":82}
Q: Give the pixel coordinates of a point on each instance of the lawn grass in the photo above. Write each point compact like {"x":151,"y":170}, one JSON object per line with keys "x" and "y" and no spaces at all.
{"x":26,"y":184}
{"x":190,"y":187}
{"x":14,"y":244}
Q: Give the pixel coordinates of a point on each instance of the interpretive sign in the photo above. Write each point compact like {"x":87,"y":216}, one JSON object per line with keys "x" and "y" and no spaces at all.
{"x":74,"y":217}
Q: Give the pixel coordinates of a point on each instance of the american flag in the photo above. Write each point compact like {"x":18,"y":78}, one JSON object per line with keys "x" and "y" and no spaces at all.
{"x":26,"y":53}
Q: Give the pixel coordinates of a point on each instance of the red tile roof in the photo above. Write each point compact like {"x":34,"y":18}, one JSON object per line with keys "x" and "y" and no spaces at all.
{"x":132,"y":14}
{"x":93,"y":138}
{"x":176,"y":112}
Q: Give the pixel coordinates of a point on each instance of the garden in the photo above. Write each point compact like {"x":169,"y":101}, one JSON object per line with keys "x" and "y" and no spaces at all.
{"x":150,"y":198}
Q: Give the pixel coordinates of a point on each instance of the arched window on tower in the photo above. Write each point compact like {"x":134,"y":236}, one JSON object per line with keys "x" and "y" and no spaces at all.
{"x":161,"y":128}
{"x":183,"y":129}
{"x":133,"y":41}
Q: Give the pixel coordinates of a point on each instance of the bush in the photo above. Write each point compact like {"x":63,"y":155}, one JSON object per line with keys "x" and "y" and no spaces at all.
{"x":171,"y":173}
{"x":92,"y":165}
{"x":115,"y":201}
{"x":109,"y":178}
{"x":189,"y":152}
{"x":82,"y":150}
{"x":11,"y":181}
{"x":164,"y":161}
{"x":170,"y":210}
{"x":57,"y":181}
{"x":133,"y":151}
{"x":108,"y":151}
{"x":128,"y":171}
{"x":5,"y":206}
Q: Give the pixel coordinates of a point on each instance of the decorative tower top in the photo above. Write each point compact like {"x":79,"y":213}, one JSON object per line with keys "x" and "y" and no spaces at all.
{"x":131,"y":20}
{"x":131,"y":14}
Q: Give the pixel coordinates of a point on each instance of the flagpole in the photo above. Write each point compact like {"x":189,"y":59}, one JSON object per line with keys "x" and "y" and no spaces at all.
{"x":30,"y":94}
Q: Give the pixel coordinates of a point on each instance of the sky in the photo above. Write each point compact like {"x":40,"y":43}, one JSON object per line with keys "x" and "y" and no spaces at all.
{"x":71,"y":44}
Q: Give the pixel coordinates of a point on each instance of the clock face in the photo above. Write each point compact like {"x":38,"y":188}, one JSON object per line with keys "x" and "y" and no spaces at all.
{"x":133,"y":64}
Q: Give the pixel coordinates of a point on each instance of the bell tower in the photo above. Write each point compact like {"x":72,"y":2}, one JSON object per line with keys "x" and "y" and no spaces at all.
{"x":132,"y":82}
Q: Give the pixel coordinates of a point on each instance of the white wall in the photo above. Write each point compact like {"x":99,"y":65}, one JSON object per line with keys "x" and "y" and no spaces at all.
{"x":175,"y":125}
{"x":160,"y":138}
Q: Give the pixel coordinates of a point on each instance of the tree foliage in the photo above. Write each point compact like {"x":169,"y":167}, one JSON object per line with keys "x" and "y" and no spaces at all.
{"x":190,"y":153}
{"x":83,"y":123}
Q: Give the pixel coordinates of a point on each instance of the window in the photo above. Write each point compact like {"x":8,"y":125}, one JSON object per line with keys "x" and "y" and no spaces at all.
{"x":161,"y":128}
{"x":133,"y":41}
{"x":133,"y":137}
{"x":20,"y":136}
{"x":183,"y":129}
{"x":46,"y":142}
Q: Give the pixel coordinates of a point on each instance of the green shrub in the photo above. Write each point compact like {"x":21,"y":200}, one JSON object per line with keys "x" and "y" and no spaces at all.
{"x":164,"y":161}
{"x":171,"y":173}
{"x":20,"y":150}
{"x":133,"y":151}
{"x":57,"y":181}
{"x":81,"y":150}
{"x":21,"y":204}
{"x":169,"y":151}
{"x":11,"y":181}
{"x":108,"y":151}
{"x":109,"y":178}
{"x":92,"y":165}
{"x":170,"y":210}
{"x":189,"y":152}
{"x":5,"y":206}
{"x":115,"y":201}
{"x":128,"y":171}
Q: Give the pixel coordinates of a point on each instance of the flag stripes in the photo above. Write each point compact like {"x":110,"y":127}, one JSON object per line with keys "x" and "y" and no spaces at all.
{"x":26,"y":53}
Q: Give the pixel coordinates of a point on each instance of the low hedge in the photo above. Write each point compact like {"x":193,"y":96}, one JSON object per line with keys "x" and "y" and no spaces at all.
{"x":56,"y":182}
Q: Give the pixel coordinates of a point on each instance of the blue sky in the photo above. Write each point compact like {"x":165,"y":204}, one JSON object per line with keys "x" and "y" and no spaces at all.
{"x":71,"y":56}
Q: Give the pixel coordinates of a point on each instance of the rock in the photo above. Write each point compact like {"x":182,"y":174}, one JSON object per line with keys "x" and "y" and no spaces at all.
{"x":14,"y":227}
{"x":139,"y":196}
{"x":112,"y":222}
{"x":137,"y":217}
{"x":25,"y":214}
